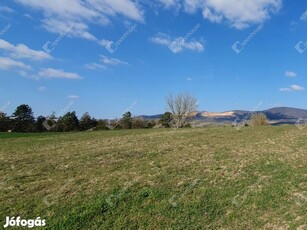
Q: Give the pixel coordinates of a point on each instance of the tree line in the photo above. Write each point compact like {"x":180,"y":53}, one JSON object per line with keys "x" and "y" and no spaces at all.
{"x":181,"y":108}
{"x":23,"y":120}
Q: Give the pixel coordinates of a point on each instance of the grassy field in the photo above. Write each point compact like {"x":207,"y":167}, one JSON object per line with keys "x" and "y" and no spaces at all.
{"x":213,"y":178}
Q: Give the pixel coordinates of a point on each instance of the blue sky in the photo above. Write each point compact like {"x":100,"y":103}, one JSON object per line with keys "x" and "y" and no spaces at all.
{"x":115,"y":55}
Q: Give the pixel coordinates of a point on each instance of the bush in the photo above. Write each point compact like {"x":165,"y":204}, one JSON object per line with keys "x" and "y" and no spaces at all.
{"x":69,"y":122}
{"x":166,"y":119}
{"x":138,"y":123}
{"x":5,"y":123}
{"x":101,"y":125}
{"x":87,"y":122}
{"x":259,"y":119}
{"x":126,"y":121}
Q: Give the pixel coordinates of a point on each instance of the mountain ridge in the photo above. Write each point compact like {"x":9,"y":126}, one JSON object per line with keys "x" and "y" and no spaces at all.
{"x":275,"y":115}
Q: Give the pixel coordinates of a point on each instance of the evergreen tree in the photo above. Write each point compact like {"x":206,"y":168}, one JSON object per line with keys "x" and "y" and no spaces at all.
{"x":39,"y":124}
{"x":166,"y":119}
{"x":87,"y":122}
{"x":5,"y":122}
{"x":126,"y":121}
{"x":23,"y":119}
{"x":69,"y":122}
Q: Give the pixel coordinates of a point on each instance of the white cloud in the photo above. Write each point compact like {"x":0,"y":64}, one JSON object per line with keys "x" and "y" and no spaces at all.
{"x":292,"y":88}
{"x":73,"y":97}
{"x":290,"y":74}
{"x":240,"y":14}
{"x":80,"y":13}
{"x":297,"y":88}
{"x":41,"y":89}
{"x":94,"y":66}
{"x":166,"y":40}
{"x":304,"y":16}
{"x":112,"y":61}
{"x":59,"y":14}
{"x":167,"y":4}
{"x":6,"y":9}
{"x":28,"y":16}
{"x":57,"y":73}
{"x":105,"y":62}
{"x":68,"y":28}
{"x":24,"y":73}
{"x":21,"y":51}
{"x":161,"y":39}
{"x":191,"y":6}
{"x":193,"y":45}
{"x":284,"y":89}
{"x":7,"y":63}
{"x":105,"y":43}
{"x":126,"y":8}
{"x":207,"y":13}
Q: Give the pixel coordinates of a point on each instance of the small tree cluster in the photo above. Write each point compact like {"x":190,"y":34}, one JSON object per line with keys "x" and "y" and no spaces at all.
{"x":128,"y":122}
{"x":23,"y":119}
{"x":166,"y":120}
{"x":5,"y":122}
{"x":87,"y":122}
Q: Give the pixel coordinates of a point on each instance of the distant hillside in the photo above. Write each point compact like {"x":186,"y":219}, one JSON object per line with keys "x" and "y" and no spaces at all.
{"x":279,"y":115}
{"x":151,"y":117}
{"x":286,"y":113}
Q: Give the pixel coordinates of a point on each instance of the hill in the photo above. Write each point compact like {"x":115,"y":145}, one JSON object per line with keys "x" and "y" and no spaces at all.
{"x":278,"y":115}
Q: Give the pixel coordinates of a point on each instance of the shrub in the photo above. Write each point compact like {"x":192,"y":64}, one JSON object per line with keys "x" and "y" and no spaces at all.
{"x":101,"y":125}
{"x":126,"y":121}
{"x":259,"y":119}
{"x":138,"y":123}
{"x":166,"y":119}
{"x":87,"y":122}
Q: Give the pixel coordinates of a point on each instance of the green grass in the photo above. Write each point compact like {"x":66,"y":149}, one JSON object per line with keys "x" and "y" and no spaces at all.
{"x":213,"y":178}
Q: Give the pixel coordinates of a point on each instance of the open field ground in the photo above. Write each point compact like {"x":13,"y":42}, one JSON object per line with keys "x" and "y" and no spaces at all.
{"x":213,"y":178}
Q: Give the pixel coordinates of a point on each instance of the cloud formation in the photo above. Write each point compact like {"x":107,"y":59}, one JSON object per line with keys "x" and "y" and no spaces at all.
{"x":112,"y":61}
{"x":292,"y":88}
{"x":179,"y":42}
{"x":21,"y":51}
{"x":170,"y":4}
{"x":7,"y":63}
{"x":73,"y":97}
{"x":290,"y":74}
{"x":58,"y":73}
{"x":105,"y":62}
{"x":94,"y":66}
{"x":239,"y":14}
{"x":78,"y":14}
{"x":6,"y":9}
{"x":304,"y":16}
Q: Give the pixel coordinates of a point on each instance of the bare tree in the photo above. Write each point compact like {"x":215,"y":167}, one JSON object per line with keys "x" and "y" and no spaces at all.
{"x":182,"y":107}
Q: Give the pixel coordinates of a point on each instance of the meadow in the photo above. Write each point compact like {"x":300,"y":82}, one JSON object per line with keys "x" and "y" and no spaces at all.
{"x":191,"y":178}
